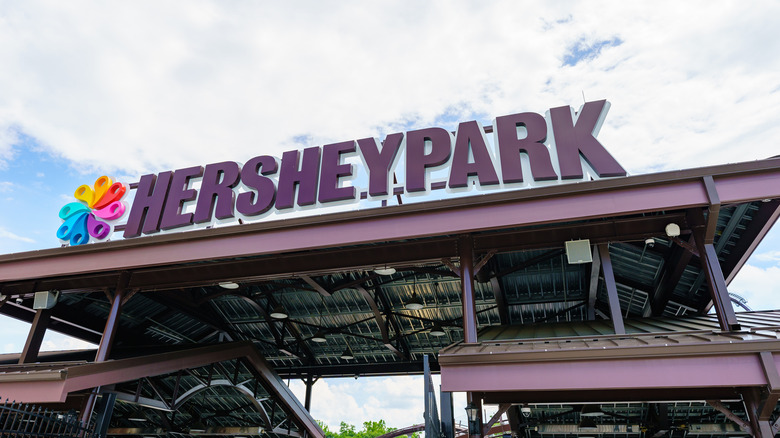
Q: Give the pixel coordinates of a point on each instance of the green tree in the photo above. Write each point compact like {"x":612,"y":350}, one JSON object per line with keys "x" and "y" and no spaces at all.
{"x":371,"y":429}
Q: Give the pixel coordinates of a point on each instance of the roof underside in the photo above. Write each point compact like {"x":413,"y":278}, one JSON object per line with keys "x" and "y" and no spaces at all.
{"x":524,"y":283}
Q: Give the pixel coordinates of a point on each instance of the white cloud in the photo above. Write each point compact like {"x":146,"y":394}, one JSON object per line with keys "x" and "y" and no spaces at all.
{"x":6,"y":186}
{"x":758,"y":286}
{"x":5,"y":234}
{"x":147,"y":87}
{"x":397,"y":400}
{"x":769,"y":256}
{"x":53,"y":341}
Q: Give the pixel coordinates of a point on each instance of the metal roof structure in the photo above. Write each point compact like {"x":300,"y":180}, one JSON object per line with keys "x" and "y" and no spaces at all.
{"x":166,"y":295}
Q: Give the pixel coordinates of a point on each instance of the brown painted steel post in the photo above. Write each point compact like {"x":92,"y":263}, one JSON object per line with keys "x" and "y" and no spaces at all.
{"x":612,"y":295}
{"x":33,"y":344}
{"x":758,"y":428}
{"x":112,"y":324}
{"x":714,"y":274}
{"x":466,"y":253}
{"x":106,"y":341}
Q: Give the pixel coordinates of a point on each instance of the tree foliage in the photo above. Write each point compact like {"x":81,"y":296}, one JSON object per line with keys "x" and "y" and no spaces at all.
{"x":371,"y":429}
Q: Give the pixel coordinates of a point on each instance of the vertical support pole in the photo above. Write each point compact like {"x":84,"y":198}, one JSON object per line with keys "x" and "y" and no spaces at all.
{"x":104,"y":409}
{"x":447,"y":414}
{"x":609,"y":281}
{"x":307,"y":400}
{"x":466,"y":254}
{"x":34,"y":339}
{"x":106,"y":341}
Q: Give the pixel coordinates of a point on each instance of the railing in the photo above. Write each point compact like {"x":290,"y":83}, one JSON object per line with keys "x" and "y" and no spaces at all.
{"x":20,"y":420}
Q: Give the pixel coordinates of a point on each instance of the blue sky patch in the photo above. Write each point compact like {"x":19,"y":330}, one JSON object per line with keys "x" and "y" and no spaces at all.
{"x":584,"y":51}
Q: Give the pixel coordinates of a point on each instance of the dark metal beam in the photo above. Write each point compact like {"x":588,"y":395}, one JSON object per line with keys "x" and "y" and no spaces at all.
{"x":501,"y":304}
{"x":769,"y":402}
{"x":403,"y":345}
{"x":316,"y":286}
{"x":674,"y":268}
{"x":761,"y":223}
{"x":309,"y":385}
{"x":77,"y":323}
{"x":185,"y":305}
{"x":713,"y":210}
{"x":502,"y":408}
{"x":758,"y":428}
{"x":286,"y":323}
{"x":362,"y":370}
{"x":609,"y":280}
{"x":33,"y":344}
{"x":107,"y":340}
{"x":714,"y":276}
{"x":381,"y":322}
{"x":593,"y":291}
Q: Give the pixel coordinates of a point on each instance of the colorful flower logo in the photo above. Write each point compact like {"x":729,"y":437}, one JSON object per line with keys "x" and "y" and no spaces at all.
{"x":89,"y":217}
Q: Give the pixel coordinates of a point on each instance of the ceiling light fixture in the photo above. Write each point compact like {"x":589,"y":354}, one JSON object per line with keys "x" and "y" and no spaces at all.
{"x":591,"y":411}
{"x":385,"y":270}
{"x":228,"y":285}
{"x":278,"y":312}
{"x":437,"y":330}
{"x":319,"y":336}
{"x":347,"y":354}
{"x":415,"y":303}
{"x":672,"y":230}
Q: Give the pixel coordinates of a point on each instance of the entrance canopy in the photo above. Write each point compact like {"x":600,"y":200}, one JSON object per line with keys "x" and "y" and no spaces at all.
{"x":315,"y":297}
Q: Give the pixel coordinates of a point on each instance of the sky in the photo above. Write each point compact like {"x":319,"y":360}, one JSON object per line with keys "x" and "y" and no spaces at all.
{"x":128,"y":88}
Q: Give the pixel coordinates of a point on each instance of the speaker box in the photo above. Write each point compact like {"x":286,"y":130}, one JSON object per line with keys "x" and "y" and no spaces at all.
{"x":578,"y":251}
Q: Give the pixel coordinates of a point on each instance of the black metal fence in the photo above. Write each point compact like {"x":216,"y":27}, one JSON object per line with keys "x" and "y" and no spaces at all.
{"x":20,"y":420}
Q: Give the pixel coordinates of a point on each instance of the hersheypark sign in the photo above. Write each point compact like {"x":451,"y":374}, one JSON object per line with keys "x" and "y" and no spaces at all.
{"x":527,"y":150}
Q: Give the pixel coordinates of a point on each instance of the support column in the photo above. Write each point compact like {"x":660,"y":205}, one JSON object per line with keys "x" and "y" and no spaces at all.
{"x":466,"y":254}
{"x":33,"y":344}
{"x":447,"y":414}
{"x":430,"y":415}
{"x":307,"y":400}
{"x":759,"y":428}
{"x":104,"y":411}
{"x":595,"y":270}
{"x":714,"y":274}
{"x":106,"y":341}
{"x":609,"y":281}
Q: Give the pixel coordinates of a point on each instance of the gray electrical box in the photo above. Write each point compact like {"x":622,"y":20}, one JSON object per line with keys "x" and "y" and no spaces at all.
{"x":578,"y":251}
{"x":45,"y":300}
